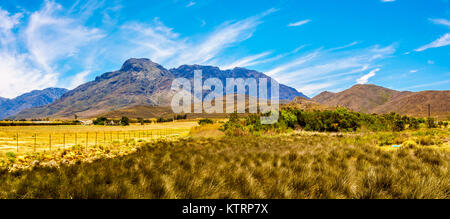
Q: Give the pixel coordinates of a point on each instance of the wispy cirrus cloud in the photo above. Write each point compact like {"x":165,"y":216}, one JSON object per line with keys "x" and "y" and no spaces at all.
{"x":299,"y":23}
{"x":330,"y":68}
{"x":441,"y":21}
{"x":190,"y":4}
{"x":248,"y":61}
{"x":29,"y":55}
{"x":442,"y":41}
{"x":50,"y":37}
{"x":53,"y":39}
{"x":18,"y":74}
{"x":160,"y":42}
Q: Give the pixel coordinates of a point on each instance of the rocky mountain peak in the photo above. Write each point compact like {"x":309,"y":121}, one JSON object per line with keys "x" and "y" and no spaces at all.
{"x":138,"y":65}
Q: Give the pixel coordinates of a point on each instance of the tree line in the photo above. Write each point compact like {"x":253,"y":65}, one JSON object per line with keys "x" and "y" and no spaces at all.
{"x":339,"y":120}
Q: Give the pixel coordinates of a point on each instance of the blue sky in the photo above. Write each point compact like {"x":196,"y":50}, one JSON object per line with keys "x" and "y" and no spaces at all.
{"x":310,"y":45}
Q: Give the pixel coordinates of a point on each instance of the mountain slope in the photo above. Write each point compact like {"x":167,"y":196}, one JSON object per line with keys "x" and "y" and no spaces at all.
{"x":375,"y":99}
{"x":361,"y":98}
{"x":417,"y":104}
{"x":9,"y":107}
{"x":138,"y":82}
{"x":306,"y":104}
{"x":187,"y":71}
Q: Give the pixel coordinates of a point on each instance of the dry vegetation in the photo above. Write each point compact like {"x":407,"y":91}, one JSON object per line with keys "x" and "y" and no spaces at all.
{"x":60,"y":137}
{"x":299,"y":165}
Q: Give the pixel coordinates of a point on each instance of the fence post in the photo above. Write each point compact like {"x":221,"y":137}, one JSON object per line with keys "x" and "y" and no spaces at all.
{"x":17,"y":141}
{"x":34,"y":148}
{"x":96,"y":138}
{"x":64,"y":141}
{"x":87,"y":139}
{"x":76,"y":138}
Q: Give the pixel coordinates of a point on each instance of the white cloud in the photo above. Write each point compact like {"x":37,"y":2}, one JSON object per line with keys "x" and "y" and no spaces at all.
{"x":17,"y":74}
{"x":413,"y":71}
{"x":191,"y":3}
{"x":364,"y":79}
{"x":7,"y":24}
{"x":299,"y":23}
{"x":29,"y":56}
{"x":163,"y":45}
{"x":50,"y":37}
{"x":387,"y":0}
{"x":293,"y":64}
{"x":441,"y":22}
{"x":442,"y":41}
{"x":79,"y":79}
{"x":428,"y":84}
{"x":311,"y":89}
{"x":247,"y":61}
{"x":332,"y":67}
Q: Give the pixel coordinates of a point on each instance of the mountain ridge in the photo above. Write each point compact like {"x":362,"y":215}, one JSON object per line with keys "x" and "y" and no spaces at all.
{"x":35,"y":98}
{"x":137,"y":82}
{"x":370,"y":98}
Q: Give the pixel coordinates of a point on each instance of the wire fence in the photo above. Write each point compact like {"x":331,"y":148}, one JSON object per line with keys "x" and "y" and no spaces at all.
{"x":42,"y":142}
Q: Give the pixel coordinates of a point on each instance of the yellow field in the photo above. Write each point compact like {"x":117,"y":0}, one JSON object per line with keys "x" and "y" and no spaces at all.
{"x":28,"y":139}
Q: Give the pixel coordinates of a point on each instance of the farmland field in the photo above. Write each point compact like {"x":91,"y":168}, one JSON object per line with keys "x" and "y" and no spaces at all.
{"x":27,"y":139}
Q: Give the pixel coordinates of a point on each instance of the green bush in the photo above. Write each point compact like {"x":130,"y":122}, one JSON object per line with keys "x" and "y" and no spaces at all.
{"x":100,"y":121}
{"x":431,"y":123}
{"x":205,"y":121}
{"x":125,"y":121}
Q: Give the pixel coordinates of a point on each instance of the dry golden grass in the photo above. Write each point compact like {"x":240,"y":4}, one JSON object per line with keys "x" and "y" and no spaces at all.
{"x":298,"y":165}
{"x":207,"y":131}
{"x":59,"y":137}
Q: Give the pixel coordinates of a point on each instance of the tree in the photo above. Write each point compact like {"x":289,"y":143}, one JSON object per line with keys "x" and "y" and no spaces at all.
{"x":100,"y":121}
{"x":124,"y":121}
{"x":399,"y":125}
{"x":141,"y":120}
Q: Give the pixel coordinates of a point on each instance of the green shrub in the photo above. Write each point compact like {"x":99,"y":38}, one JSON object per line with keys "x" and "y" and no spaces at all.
{"x":125,"y":121}
{"x":11,"y":156}
{"x":100,"y":121}
{"x":431,"y":123}
{"x":205,"y":121}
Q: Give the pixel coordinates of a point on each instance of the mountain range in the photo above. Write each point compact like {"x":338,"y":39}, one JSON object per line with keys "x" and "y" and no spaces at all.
{"x":138,"y":82}
{"x":141,"y":85}
{"x":371,"y":98}
{"x":28,"y":100}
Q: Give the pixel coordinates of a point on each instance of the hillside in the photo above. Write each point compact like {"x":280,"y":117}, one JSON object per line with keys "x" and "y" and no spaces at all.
{"x":306,"y":104}
{"x":138,"y":82}
{"x":9,"y":107}
{"x":417,"y":104}
{"x":361,"y":98}
{"x":145,"y":111}
{"x":375,"y":99}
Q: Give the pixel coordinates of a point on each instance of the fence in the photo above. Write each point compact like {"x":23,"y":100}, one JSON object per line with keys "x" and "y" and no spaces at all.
{"x":42,"y":142}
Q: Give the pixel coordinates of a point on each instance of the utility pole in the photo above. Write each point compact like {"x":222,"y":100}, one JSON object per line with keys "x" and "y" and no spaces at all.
{"x":429,"y":110}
